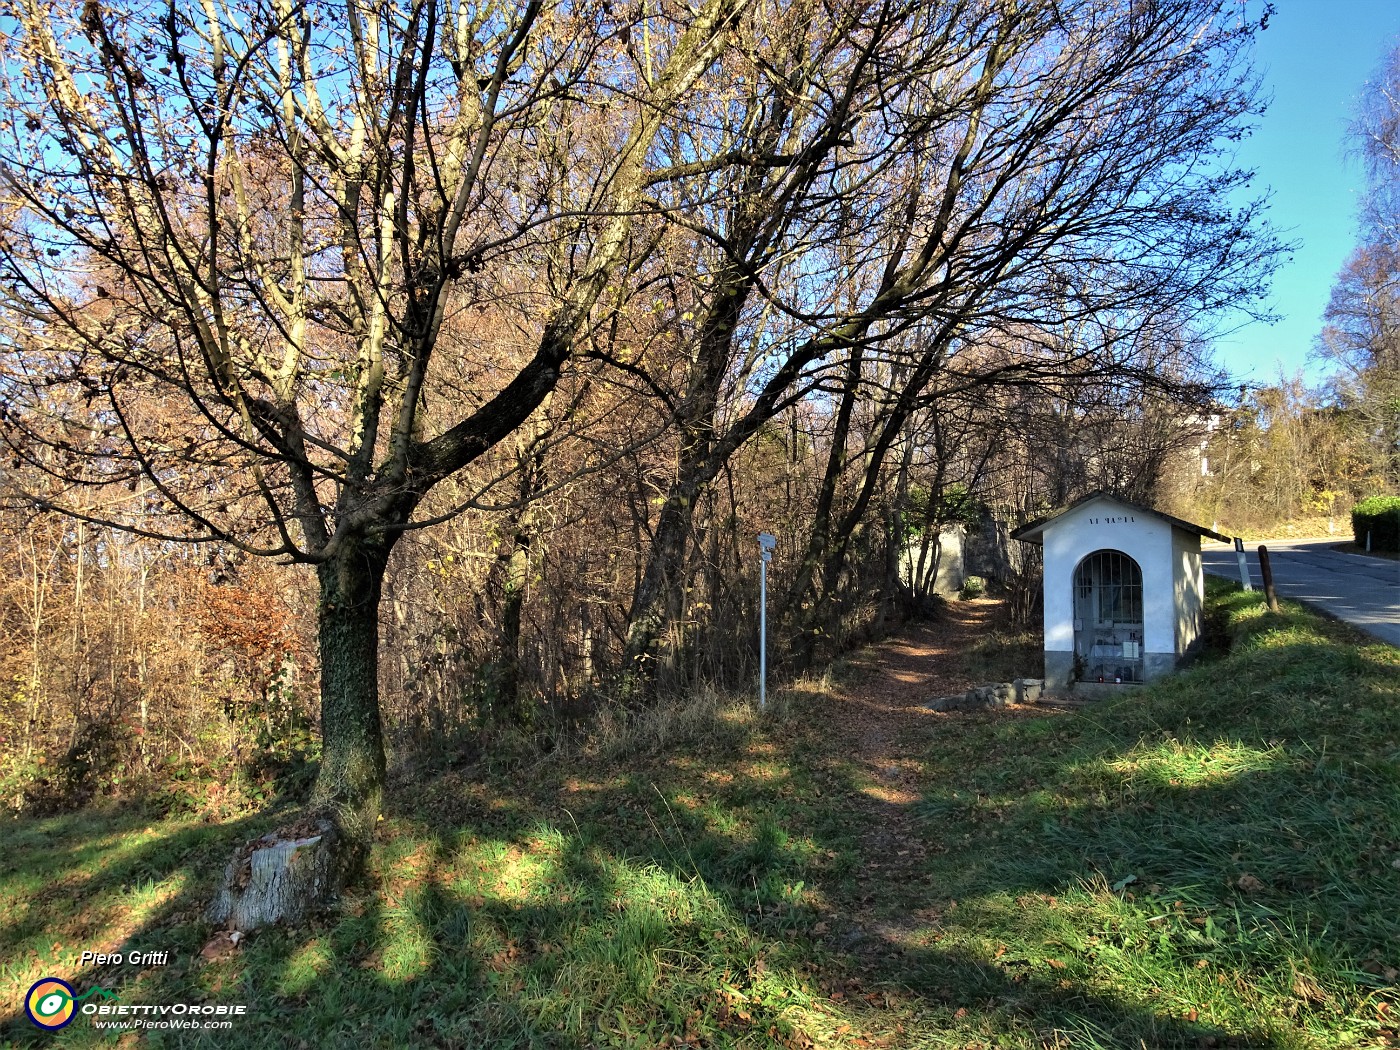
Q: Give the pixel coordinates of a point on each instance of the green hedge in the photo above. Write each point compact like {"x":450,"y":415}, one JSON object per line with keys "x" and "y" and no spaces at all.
{"x":1380,"y":516}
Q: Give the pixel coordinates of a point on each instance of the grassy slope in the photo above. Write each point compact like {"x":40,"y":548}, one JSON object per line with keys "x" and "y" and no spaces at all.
{"x":1219,"y":856}
{"x":1210,"y":862}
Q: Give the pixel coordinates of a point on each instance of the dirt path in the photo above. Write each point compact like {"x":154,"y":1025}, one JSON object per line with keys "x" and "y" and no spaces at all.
{"x":879,"y":730}
{"x":880,"y":716}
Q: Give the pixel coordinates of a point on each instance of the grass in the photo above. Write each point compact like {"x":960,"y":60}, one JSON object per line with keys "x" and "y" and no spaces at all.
{"x":1005,"y":655}
{"x":1339,"y":525}
{"x":1209,"y":862}
{"x":1218,"y":853}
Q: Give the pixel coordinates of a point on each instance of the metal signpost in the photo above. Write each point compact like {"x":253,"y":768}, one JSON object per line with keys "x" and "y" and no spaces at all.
{"x":766,"y":543}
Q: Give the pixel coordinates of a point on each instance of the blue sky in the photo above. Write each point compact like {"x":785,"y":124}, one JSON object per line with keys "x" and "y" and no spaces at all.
{"x":1316,"y":57}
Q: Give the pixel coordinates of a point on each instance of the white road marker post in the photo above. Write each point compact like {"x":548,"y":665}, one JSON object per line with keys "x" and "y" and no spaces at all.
{"x":1244,"y":566}
{"x":766,"y":543}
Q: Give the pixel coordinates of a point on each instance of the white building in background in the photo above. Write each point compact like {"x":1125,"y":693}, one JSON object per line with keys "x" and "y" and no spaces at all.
{"x":1206,"y":426}
{"x":1124,"y":591}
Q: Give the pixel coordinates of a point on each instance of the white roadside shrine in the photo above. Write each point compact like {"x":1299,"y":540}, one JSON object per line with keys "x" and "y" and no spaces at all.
{"x":1124,"y":591}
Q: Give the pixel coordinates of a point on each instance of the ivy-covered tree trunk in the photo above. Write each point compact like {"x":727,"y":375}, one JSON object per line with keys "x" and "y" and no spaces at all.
{"x":351,"y":778}
{"x":806,"y":600}
{"x":303,"y":865}
{"x":509,"y":579}
{"x":658,"y":605}
{"x":660,"y":596}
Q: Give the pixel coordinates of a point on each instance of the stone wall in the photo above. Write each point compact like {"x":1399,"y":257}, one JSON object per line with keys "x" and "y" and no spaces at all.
{"x":988,"y":550}
{"x":945,"y":555}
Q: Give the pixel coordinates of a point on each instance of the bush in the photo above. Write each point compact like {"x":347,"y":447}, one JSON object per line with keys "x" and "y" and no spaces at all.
{"x":94,"y":766}
{"x":973,"y":587}
{"x":1379,"y":516}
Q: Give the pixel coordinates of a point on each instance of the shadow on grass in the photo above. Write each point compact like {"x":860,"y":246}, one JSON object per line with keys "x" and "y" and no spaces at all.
{"x":625,"y":931}
{"x":68,"y":883}
{"x":1079,"y":872}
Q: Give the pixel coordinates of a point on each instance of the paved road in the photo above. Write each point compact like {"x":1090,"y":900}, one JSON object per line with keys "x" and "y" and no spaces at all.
{"x":1361,"y":590}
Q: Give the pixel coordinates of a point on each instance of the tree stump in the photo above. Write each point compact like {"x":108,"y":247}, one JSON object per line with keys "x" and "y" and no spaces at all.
{"x":282,"y":877}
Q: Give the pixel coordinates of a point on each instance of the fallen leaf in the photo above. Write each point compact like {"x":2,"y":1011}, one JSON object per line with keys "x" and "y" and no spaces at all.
{"x":221,"y":946}
{"x":1249,"y":883}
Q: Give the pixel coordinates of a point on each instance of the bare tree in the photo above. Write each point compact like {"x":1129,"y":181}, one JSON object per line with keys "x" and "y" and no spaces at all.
{"x":233,"y":235}
{"x":1375,"y":137}
{"x":980,"y":168}
{"x":1361,"y":339}
{"x":1361,"y":334}
{"x":289,"y":269}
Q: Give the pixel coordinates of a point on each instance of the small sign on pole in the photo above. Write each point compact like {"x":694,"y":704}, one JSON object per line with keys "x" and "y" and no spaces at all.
{"x":766,"y":543}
